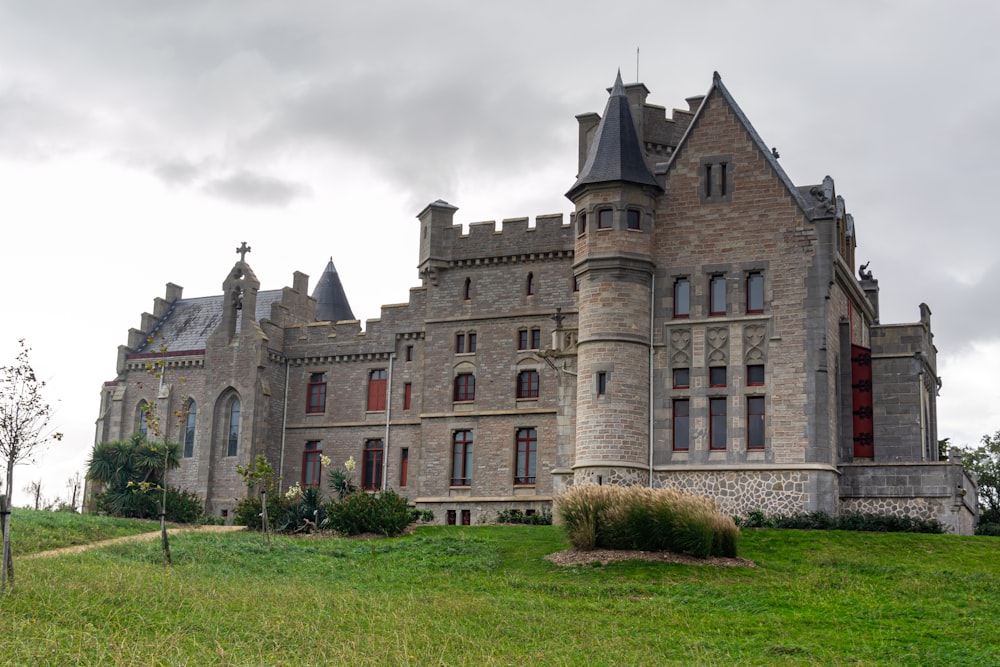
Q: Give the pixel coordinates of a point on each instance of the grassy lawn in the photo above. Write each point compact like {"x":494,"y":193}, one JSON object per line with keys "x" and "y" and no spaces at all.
{"x":33,"y":531}
{"x":484,"y":596}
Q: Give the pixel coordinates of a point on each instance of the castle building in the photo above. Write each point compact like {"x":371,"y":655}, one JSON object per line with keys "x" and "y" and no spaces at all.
{"x":696,"y":323}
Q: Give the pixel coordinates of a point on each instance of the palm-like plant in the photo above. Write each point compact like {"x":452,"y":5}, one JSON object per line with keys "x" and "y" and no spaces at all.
{"x":124,"y":470}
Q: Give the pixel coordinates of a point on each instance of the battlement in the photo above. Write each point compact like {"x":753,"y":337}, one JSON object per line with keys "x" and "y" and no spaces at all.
{"x":443,"y":241}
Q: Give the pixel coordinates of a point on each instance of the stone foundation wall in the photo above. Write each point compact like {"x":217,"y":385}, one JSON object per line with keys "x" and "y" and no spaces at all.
{"x":934,"y":490}
{"x":738,"y":492}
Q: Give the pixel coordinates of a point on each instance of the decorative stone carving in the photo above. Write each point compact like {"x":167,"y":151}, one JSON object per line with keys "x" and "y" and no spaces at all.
{"x":755,"y":343}
{"x":680,"y":348}
{"x":717,"y":346}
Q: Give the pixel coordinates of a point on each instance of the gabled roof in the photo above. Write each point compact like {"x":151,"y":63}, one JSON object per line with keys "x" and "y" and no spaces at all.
{"x":331,"y":301}
{"x":188,"y":322}
{"x":717,"y":86}
{"x":616,"y":153}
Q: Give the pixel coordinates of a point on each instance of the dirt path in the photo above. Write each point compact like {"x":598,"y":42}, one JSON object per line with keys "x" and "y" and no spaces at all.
{"x":131,"y":538}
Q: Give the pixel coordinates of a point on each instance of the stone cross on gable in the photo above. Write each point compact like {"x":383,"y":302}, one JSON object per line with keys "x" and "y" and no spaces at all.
{"x":243,"y":250}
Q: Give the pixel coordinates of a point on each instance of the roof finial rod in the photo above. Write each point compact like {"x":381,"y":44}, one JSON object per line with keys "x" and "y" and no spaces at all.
{"x":637,"y":64}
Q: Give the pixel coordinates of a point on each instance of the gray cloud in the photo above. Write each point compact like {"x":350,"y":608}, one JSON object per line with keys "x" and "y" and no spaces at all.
{"x":249,"y":188}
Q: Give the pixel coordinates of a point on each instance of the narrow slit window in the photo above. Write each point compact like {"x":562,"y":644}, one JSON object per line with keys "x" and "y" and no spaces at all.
{"x":723,"y":169}
{"x":708,"y":180}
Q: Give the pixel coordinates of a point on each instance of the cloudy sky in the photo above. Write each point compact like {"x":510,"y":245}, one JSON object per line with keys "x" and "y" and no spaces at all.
{"x":141,"y":142}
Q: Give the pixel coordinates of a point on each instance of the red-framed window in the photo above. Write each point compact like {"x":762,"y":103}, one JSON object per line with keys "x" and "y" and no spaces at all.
{"x":717,"y":295}
{"x":312,"y":467}
{"x":527,"y":453}
{"x":682,"y":378}
{"x":604,"y":217}
{"x":634,"y":219}
{"x":407,"y":395}
{"x":755,"y":292}
{"x":371,"y":465}
{"x":529,"y":339}
{"x":450,"y":517}
{"x":376,"y":389}
{"x":717,"y":376}
{"x":316,"y":393}
{"x":465,"y":387}
{"x":755,"y":422}
{"x":682,"y":298}
{"x":755,"y":375}
{"x":682,"y":424}
{"x":461,"y":458}
{"x":466,"y":517}
{"x":404,"y":465}
{"x":465,"y":343}
{"x":717,"y":423}
{"x":529,"y":287}
{"x":527,"y":384}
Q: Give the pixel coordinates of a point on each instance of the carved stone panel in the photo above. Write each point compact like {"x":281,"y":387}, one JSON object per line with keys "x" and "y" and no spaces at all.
{"x":717,"y":346}
{"x":680,"y":348}
{"x":755,"y":343}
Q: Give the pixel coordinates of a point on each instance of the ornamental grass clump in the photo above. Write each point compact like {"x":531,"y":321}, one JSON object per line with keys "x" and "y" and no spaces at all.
{"x":639,"y":518}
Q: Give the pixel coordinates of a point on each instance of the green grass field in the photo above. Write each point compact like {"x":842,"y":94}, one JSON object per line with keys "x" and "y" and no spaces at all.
{"x":485,"y":596}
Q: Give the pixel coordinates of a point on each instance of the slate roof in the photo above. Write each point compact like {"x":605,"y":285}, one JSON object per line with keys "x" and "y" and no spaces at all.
{"x":616,"y":153}
{"x":188,"y":323}
{"x":331,"y":300}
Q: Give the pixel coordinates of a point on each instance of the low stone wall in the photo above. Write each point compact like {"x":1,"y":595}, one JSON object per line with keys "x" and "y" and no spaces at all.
{"x":936,"y":490}
{"x":738,"y":492}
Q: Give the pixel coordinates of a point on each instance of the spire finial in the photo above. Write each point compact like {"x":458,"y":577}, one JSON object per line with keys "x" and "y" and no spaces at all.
{"x":243,"y":250}
{"x":619,"y":87}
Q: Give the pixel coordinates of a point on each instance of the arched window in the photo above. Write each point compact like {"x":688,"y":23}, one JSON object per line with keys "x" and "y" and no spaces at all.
{"x":234,"y":428}
{"x":142,"y":419}
{"x":467,"y":291}
{"x":189,"y":422}
{"x":530,"y":287}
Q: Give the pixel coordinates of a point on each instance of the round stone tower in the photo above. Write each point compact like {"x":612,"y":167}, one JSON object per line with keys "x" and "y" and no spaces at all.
{"x":615,"y":199}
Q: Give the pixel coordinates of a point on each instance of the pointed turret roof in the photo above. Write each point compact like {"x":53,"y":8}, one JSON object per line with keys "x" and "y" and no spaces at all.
{"x":331,"y":301}
{"x":616,"y":152}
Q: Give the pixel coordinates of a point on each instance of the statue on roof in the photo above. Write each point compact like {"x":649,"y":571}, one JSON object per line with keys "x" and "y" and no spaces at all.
{"x":863,"y":271}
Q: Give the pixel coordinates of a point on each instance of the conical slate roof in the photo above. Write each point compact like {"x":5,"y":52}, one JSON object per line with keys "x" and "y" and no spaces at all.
{"x":615,"y":153}
{"x":331,"y":301}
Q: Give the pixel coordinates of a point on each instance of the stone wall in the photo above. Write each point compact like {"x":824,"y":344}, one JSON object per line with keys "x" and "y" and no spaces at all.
{"x":738,"y":491}
{"x":935,"y":490}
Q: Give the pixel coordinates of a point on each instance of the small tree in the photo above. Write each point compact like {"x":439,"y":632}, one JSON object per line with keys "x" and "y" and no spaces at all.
{"x":984,"y":460}
{"x":25,"y":425}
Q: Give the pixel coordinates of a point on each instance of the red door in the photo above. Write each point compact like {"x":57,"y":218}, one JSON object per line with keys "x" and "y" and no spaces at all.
{"x":861,"y":401}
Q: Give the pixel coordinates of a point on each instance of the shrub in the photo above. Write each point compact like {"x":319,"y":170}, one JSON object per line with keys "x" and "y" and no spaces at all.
{"x":423,"y":516}
{"x":856,"y":521}
{"x":385,"y":513}
{"x":990,"y":529}
{"x":305,"y":513}
{"x":183,"y":506}
{"x":248,"y":510}
{"x":543,"y":518}
{"x":646,"y":519}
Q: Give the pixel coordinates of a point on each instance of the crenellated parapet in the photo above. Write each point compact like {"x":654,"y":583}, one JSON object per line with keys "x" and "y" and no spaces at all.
{"x":443,"y":242}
